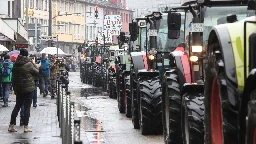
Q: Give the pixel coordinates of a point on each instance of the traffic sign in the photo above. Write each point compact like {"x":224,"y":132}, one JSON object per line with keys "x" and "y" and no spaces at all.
{"x":197,"y":27}
{"x":48,"y":38}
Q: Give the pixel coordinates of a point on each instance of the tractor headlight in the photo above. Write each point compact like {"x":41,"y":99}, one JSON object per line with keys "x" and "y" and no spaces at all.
{"x":193,"y":58}
{"x":197,"y":48}
{"x":151,"y":57}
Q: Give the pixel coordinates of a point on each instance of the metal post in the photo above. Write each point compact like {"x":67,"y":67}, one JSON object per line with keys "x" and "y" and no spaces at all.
{"x":35,"y":33}
{"x":57,"y":46}
{"x":64,"y":116}
{"x":77,"y":132}
{"x":72,"y":118}
{"x":50,"y":22}
{"x":27,"y":14}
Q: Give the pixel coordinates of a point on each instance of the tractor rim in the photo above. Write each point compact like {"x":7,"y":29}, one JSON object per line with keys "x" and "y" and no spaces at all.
{"x":254,"y":135}
{"x":215,"y":114}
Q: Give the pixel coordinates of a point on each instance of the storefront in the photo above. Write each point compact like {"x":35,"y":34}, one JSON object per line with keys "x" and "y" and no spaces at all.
{"x":19,"y":29}
{"x":7,"y":35}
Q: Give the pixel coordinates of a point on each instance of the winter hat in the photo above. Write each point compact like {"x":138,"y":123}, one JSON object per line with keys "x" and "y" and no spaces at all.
{"x":6,"y":57}
{"x":24,"y":52}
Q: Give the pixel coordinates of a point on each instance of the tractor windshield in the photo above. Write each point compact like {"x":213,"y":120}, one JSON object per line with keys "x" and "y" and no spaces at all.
{"x":165,"y":44}
{"x":217,"y":15}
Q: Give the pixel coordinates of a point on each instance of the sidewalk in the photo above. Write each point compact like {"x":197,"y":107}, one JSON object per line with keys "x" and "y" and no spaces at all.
{"x":43,"y":121}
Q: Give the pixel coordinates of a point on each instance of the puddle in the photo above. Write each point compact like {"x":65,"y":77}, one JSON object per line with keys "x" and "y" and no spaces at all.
{"x":93,"y":129}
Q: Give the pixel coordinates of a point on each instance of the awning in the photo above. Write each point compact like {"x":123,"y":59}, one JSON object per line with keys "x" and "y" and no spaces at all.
{"x":6,"y":32}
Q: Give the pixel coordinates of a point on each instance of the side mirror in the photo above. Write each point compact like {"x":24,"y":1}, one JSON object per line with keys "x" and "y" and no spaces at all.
{"x":174,"y":24}
{"x":231,"y":18}
{"x":122,"y":36}
{"x":133,"y":28}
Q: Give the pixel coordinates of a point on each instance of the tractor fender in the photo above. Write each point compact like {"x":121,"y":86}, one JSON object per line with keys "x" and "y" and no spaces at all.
{"x":192,"y":88}
{"x":221,"y":33}
{"x":145,"y":72}
{"x":183,"y":68}
{"x":98,"y":59}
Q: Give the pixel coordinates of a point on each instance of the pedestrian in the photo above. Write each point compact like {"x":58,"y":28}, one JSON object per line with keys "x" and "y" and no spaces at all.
{"x":24,"y":71}
{"x":6,"y":74}
{"x":53,"y":76}
{"x":45,"y":74}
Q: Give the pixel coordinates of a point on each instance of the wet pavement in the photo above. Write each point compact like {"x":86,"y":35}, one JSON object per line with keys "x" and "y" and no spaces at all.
{"x":101,"y":122}
{"x":43,"y":121}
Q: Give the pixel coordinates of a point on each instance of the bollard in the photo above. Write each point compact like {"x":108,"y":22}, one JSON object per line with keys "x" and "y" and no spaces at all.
{"x":67,"y":118}
{"x":72,"y":118}
{"x":77,"y":131}
{"x":60,"y":101}
{"x":64,"y":116}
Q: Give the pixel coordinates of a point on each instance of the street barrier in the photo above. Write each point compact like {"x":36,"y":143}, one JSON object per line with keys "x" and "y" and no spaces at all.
{"x":68,"y":122}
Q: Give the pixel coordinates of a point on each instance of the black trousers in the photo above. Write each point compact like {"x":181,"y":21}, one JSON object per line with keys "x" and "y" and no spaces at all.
{"x":26,"y":99}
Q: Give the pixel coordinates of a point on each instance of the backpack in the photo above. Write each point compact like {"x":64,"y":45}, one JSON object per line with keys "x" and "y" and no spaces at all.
{"x":6,"y":69}
{"x":45,"y":68}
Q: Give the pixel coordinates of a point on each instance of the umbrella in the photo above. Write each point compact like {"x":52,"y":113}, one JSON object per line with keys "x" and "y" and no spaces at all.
{"x":13,"y":57}
{"x":3,"y":48}
{"x":52,"y":51}
{"x":14,"y":52}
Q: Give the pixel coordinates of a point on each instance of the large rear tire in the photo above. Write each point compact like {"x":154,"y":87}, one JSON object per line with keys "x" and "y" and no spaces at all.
{"x":128,"y":111}
{"x":172,"y":109}
{"x":151,"y":107}
{"x":135,"y":106}
{"x":251,"y":123}
{"x":193,"y":118}
{"x":220,"y":116}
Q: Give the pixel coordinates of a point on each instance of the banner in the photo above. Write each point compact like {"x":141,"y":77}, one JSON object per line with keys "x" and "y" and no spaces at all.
{"x":54,"y":21}
{"x":112,"y":26}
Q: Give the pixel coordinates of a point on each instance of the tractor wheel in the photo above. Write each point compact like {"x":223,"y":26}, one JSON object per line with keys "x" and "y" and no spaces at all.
{"x":193,"y":118}
{"x":172,"y":110}
{"x":220,"y":116}
{"x":251,"y":123}
{"x":121,"y":104}
{"x":110,"y":89}
{"x":114,"y":93}
{"x":135,"y":106}
{"x":151,"y":107}
{"x":128,"y":111}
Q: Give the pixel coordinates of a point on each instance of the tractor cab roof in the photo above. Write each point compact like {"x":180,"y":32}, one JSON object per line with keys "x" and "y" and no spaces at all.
{"x":213,"y":3}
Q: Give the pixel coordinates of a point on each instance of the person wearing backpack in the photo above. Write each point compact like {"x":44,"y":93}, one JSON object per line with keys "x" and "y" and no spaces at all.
{"x":6,"y":74}
{"x":45,"y":74}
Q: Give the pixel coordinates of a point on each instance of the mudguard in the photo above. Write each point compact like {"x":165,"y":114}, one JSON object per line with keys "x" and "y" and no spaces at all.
{"x":192,"y":88}
{"x":180,"y":60}
{"x":220,"y":33}
{"x":98,"y":59}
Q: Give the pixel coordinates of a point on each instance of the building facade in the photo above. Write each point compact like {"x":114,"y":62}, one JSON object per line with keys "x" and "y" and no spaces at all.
{"x":68,"y":22}
{"x":12,"y":22}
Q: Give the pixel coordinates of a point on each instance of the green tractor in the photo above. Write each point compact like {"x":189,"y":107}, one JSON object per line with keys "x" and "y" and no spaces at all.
{"x":186,"y":113}
{"x":230,"y":81}
{"x":114,"y":52}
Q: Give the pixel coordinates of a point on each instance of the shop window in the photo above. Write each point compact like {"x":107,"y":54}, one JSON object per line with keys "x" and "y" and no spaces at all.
{"x":31,"y":4}
{"x":37,"y":4}
{"x":46,"y":5}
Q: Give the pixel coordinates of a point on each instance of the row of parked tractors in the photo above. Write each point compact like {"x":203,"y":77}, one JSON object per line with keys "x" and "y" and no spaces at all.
{"x":188,"y":73}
